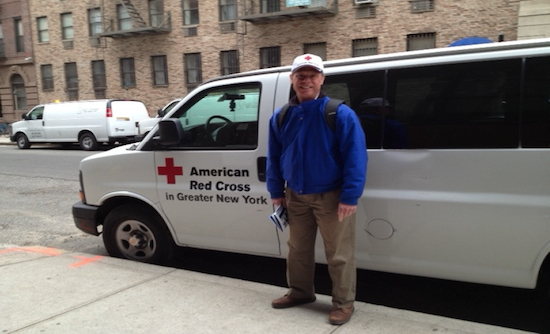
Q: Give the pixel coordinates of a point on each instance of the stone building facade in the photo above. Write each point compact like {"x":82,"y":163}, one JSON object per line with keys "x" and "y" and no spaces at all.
{"x":154,"y":50}
{"x":18,"y":87}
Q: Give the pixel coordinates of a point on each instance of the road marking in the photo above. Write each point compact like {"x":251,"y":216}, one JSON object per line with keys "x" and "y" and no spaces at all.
{"x":40,"y":250}
{"x":85,"y":260}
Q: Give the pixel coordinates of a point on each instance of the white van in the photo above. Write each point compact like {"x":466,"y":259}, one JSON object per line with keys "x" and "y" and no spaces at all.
{"x":145,"y":125}
{"x":458,"y":182}
{"x":85,"y":122}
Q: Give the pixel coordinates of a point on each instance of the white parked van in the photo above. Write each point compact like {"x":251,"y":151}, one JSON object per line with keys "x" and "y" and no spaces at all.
{"x":145,"y":125}
{"x":457,"y":185}
{"x":85,"y":122}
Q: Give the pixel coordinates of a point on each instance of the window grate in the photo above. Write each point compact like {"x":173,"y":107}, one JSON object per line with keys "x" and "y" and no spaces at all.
{"x":365,"y":12}
{"x":270,"y":57}
{"x":190,"y":31}
{"x":365,"y":47}
{"x":319,"y":49}
{"x":420,"y":41}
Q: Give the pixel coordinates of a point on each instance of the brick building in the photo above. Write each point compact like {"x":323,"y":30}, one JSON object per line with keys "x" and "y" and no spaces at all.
{"x":156,"y":50}
{"x":18,"y":89}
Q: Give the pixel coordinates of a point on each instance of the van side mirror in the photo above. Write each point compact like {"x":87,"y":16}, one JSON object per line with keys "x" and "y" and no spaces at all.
{"x":161,"y":113}
{"x":170,"y":132}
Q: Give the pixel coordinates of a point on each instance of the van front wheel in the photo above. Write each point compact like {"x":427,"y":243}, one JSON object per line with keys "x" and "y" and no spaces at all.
{"x":136,"y":234}
{"x":88,"y":142}
{"x":23,"y":142}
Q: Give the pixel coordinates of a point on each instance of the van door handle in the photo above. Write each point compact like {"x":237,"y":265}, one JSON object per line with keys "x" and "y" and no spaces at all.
{"x":261,"y":164}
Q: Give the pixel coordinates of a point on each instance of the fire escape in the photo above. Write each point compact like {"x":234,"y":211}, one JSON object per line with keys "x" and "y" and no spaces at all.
{"x":160,"y":23}
{"x":270,"y":10}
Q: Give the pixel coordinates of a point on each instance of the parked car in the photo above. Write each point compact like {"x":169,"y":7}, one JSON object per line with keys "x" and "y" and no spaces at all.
{"x":146,"y":125}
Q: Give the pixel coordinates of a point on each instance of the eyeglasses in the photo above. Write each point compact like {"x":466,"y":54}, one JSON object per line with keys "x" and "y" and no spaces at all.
{"x":303,"y":77}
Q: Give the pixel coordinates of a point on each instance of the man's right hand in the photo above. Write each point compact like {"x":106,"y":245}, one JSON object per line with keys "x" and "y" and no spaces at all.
{"x":279,"y":201}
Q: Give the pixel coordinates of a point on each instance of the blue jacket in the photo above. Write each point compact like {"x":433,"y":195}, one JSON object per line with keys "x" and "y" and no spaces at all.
{"x":312,"y":158}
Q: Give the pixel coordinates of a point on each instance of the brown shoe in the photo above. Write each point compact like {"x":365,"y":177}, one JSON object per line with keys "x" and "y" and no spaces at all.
{"x":339,"y":316}
{"x":287,"y":301}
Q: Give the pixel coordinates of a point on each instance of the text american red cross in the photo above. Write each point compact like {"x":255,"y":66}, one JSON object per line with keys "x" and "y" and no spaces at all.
{"x":170,"y":170}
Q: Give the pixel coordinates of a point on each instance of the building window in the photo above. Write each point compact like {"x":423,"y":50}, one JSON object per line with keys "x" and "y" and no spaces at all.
{"x":270,"y":6}
{"x":193,"y":69}
{"x":156,"y":13}
{"x":420,"y":41}
{"x":2,"y":48}
{"x":67,"y":29}
{"x":127,"y":72}
{"x":419,"y":6}
{"x":94,"y":21}
{"x":43,"y":32}
{"x":160,"y":70}
{"x":46,"y":72}
{"x":363,"y":12}
{"x":19,"y":37}
{"x":190,"y":12}
{"x":229,"y":62}
{"x":319,"y":49}
{"x":228,"y":10}
{"x":71,"y":81}
{"x":99,"y":78}
{"x":19,"y":92}
{"x":365,"y":47}
{"x":270,"y":57}
{"x":124,"y":18}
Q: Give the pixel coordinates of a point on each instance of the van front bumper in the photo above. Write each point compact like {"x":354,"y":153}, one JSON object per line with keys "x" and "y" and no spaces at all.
{"x":84,"y":216}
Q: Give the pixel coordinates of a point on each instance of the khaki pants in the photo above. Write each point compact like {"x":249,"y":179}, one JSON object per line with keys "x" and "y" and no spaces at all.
{"x":306,"y":213}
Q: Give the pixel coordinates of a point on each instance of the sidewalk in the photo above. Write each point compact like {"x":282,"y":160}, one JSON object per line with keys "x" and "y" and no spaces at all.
{"x":5,"y":140}
{"x":47,"y":290}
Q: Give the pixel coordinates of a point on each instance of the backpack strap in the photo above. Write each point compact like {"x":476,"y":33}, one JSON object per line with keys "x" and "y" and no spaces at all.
{"x":281,"y":115}
{"x":330,"y":113}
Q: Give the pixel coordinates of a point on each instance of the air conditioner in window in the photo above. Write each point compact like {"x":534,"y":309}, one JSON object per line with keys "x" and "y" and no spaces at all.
{"x":364,"y":2}
{"x":227,"y":27}
{"x":95,"y":41}
{"x":68,"y":44}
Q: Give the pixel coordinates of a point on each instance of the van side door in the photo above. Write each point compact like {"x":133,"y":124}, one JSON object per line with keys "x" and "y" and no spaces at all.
{"x":35,"y":124}
{"x":211,"y":185}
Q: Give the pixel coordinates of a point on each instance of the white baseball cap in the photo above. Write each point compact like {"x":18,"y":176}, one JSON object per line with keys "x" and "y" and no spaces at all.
{"x":307,"y":59}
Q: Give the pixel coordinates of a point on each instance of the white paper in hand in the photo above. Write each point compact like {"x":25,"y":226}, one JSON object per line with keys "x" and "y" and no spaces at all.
{"x":279,"y":218}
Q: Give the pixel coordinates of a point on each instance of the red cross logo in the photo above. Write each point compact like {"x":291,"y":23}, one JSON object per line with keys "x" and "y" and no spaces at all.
{"x":170,"y":170}
{"x":308,"y":58}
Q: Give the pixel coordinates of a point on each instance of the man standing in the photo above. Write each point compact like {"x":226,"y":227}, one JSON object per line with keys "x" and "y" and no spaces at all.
{"x":318,"y":174}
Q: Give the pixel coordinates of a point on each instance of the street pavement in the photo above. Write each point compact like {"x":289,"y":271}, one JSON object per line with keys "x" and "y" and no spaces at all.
{"x":50,"y":290}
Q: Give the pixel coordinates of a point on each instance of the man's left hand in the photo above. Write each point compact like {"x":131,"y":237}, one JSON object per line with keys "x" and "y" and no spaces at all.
{"x":345,"y":210}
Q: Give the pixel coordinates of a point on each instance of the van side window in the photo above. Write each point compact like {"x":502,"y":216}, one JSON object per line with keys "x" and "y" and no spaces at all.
{"x":449,"y":106}
{"x":222,"y":117}
{"x":536,"y":103}
{"x":354,"y":89}
{"x":465,"y":105}
{"x":36,"y":113}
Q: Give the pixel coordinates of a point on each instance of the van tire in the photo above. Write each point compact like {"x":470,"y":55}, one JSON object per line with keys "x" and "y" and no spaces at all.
{"x":22,"y":141}
{"x":137,"y":234}
{"x":88,"y":142}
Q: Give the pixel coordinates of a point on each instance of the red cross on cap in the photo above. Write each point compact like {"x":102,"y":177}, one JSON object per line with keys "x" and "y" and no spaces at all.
{"x":307,"y":57}
{"x":170,"y":170}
